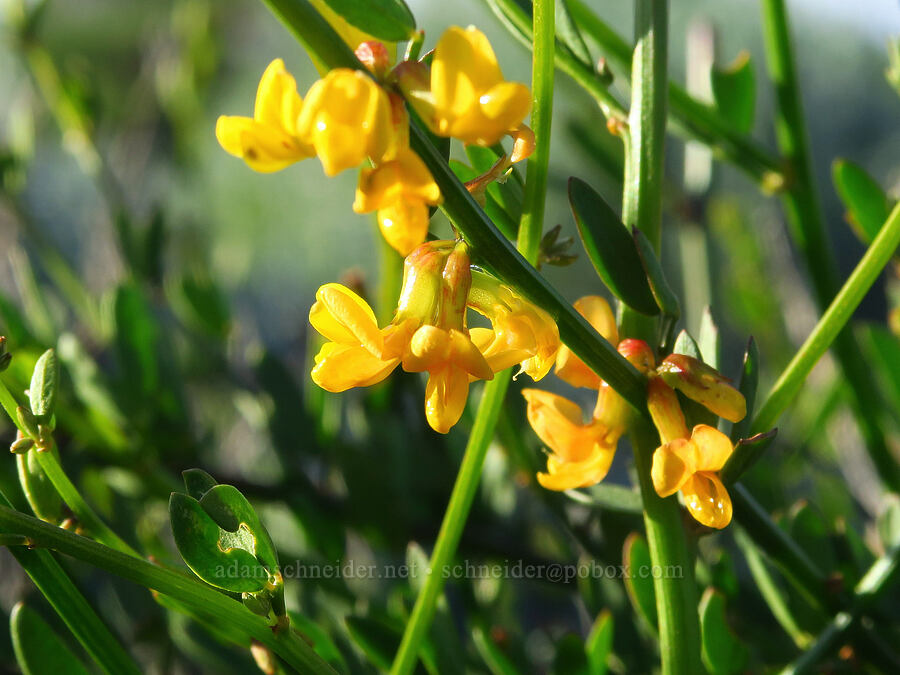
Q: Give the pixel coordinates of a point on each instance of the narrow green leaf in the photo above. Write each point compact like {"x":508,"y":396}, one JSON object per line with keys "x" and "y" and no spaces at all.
{"x":377,"y":640}
{"x":494,"y":658}
{"x":747,"y":386}
{"x":809,"y":529}
{"x":609,"y":497}
{"x":888,"y":521}
{"x":611,"y":248}
{"x":638,"y":580}
{"x":746,"y":453}
{"x":568,"y":34}
{"x":708,"y":339}
{"x":39,"y":491}
{"x":884,"y":352}
{"x":200,"y":304}
{"x":665,"y":297}
{"x":136,"y":340}
{"x":39,"y":650}
{"x":734,"y":92}
{"x":44,"y":386}
{"x":384,"y":19}
{"x":686,"y":345}
{"x":599,"y":643}
{"x":866,"y":203}
{"x":319,"y":638}
{"x":570,"y":658}
{"x":723,"y":653}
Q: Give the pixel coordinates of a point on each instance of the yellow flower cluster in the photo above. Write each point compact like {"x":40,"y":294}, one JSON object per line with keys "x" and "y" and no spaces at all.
{"x":687,"y":461}
{"x":581,"y":453}
{"x":429,"y":332}
{"x":351,"y":117}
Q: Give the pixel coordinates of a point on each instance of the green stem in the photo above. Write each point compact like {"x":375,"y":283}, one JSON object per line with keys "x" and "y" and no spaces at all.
{"x":874,"y":585}
{"x":808,"y":229}
{"x":203,"y":599}
{"x":830,"y":325}
{"x":531,"y":225}
{"x":66,"y":489}
{"x":453,"y":523}
{"x":529,"y":238}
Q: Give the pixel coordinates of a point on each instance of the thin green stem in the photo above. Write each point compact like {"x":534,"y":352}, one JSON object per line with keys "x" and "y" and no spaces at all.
{"x":199,"y":597}
{"x":808,"y":229}
{"x":830,"y":325}
{"x":531,"y":225}
{"x":452,"y":526}
{"x":529,"y":238}
{"x":66,"y":489}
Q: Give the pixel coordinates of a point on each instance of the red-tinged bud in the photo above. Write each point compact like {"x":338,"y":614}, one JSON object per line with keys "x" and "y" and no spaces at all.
{"x":422,"y":281}
{"x":704,"y":384}
{"x":374,"y":56}
{"x":638,"y":353}
{"x":662,"y":402}
{"x":457,"y":280}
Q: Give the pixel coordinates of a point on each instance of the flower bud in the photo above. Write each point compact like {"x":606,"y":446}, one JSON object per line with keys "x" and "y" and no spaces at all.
{"x":662,"y":402}
{"x":422,"y":279}
{"x":374,"y":56}
{"x":704,"y":384}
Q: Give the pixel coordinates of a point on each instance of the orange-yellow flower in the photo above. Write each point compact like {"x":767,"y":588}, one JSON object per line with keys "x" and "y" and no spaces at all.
{"x":469,"y":99}
{"x":400,"y":190}
{"x":691,"y":466}
{"x":347,"y":118}
{"x":269,"y":140}
{"x":581,"y":453}
{"x":571,"y":368}
{"x":521,"y":332}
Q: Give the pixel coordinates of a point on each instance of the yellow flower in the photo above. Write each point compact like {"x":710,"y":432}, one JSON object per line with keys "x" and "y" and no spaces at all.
{"x":691,"y":466}
{"x":359,"y":354}
{"x":580,"y":453}
{"x":400,"y":189}
{"x":450,"y":358}
{"x":571,"y":368}
{"x":470,"y":99}
{"x":521,"y":332}
{"x":269,"y":141}
{"x":347,"y":118}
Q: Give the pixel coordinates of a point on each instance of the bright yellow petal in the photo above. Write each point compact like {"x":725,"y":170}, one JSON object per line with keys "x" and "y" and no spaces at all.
{"x":463,"y":67}
{"x":506,"y":103}
{"x":673,"y":464}
{"x":569,"y":367}
{"x":429,"y":349}
{"x":264,"y":148}
{"x":570,"y":475}
{"x":557,"y":422}
{"x":404,"y":225}
{"x":343,"y":317}
{"x":465,"y":356}
{"x":714,"y":447}
{"x":405,"y":177}
{"x":341,"y":367}
{"x":707,"y":500}
{"x":277,"y":101}
{"x":445,"y":397}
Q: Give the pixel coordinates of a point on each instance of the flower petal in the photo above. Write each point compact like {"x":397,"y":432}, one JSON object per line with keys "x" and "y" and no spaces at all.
{"x":557,"y":422}
{"x":714,"y":447}
{"x":673,"y":464}
{"x":569,"y":367}
{"x":264,"y":148}
{"x":404,"y":225}
{"x":277,"y":102}
{"x":463,"y":67}
{"x":343,"y":317}
{"x":570,"y":475}
{"x":445,"y":397}
{"x":341,"y":367}
{"x":707,"y":500}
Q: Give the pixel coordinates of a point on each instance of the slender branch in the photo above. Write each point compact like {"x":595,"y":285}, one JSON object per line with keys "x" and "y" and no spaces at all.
{"x":808,"y":229}
{"x":203,"y":599}
{"x":529,"y":238}
{"x":832,"y":322}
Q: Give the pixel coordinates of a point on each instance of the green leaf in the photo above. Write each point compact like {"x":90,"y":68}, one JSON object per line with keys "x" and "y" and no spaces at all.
{"x":888,"y":521}
{"x":39,"y":491}
{"x":570,"y":658}
{"x":747,"y":386}
{"x":866,"y":203}
{"x":610,"y":498}
{"x":136,"y":340}
{"x":384,"y":19}
{"x":568,"y":34}
{"x":665,"y":297}
{"x":638,"y":581}
{"x":723,"y":653}
{"x":39,"y":650}
{"x":508,"y":194}
{"x":599,"y":643}
{"x":746,"y":453}
{"x":494,"y":658}
{"x":197,"y":482}
{"x":884,"y":353}
{"x":611,"y":248}
{"x":377,"y":639}
{"x":318,"y":637}
{"x":734,"y":92}
{"x":685,"y":344}
{"x":809,"y":529}
{"x":200,"y":542}
{"x":200,"y":304}
{"x":233,"y":513}
{"x":495,"y":211}
{"x":44,"y":386}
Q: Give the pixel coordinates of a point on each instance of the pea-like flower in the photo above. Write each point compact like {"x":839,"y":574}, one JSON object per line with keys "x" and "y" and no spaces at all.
{"x":268,"y":141}
{"x":469,"y":99}
{"x":400,"y":190}
{"x":346,"y":117}
{"x":520,"y":332}
{"x":569,"y":367}
{"x":689,"y":462}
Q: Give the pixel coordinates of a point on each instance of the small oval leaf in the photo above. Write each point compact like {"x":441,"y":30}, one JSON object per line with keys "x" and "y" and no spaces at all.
{"x":39,"y":491}
{"x":866,"y":203}
{"x":638,"y":582}
{"x":723,"y":653}
{"x":39,"y":650}
{"x":599,"y":643}
{"x":383,"y":19}
{"x":44,"y":385}
{"x":611,"y":248}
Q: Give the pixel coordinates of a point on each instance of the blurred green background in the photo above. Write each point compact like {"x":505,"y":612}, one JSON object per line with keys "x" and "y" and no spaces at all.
{"x":180,"y":282}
